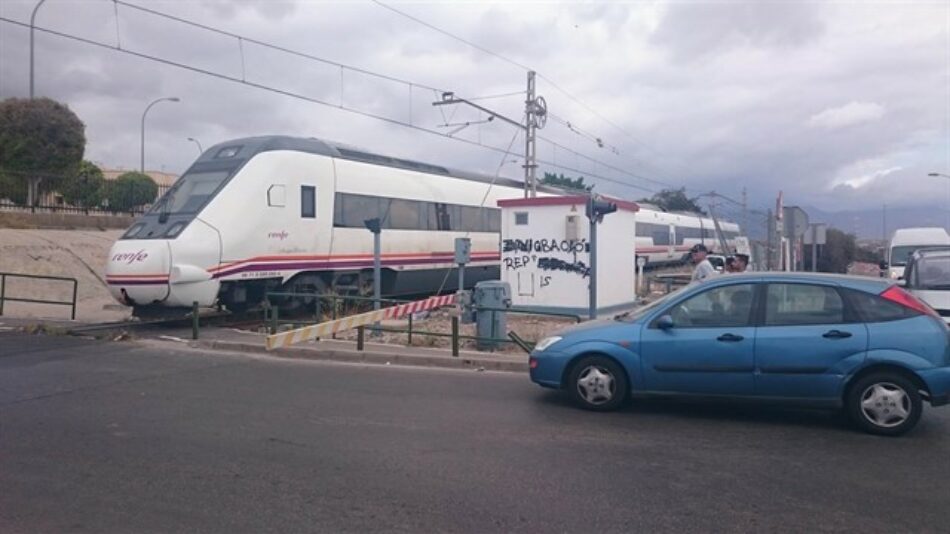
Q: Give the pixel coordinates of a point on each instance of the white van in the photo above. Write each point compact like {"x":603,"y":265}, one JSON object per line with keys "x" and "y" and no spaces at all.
{"x":905,"y":241}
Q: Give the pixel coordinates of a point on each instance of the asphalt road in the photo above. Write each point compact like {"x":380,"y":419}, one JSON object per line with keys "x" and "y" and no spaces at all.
{"x":116,"y":437}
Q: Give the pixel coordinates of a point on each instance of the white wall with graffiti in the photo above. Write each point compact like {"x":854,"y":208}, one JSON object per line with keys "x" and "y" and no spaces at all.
{"x":545,"y":255}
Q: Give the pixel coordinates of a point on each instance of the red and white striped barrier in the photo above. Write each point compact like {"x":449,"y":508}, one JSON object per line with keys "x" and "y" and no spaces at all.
{"x":328,"y":328}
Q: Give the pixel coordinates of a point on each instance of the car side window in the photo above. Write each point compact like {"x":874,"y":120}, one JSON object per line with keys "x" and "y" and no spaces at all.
{"x":874,"y":309}
{"x":718,"y":307}
{"x":802,"y":304}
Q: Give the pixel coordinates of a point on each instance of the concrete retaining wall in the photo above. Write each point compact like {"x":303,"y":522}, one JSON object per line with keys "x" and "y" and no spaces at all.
{"x":68,"y":221}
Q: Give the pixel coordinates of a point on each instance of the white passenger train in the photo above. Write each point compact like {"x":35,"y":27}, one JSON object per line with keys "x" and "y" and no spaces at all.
{"x":666,"y":237}
{"x":264,"y":213}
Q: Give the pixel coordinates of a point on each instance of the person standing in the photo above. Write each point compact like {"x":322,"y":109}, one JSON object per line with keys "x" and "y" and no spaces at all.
{"x":741,"y":263}
{"x":704,"y":268}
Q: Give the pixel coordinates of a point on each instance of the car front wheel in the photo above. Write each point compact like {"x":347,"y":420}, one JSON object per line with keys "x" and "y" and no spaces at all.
{"x":598,"y":383}
{"x":884,"y":403}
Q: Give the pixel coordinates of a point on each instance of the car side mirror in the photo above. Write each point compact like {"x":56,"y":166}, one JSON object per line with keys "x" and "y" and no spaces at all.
{"x":665,"y":322}
{"x":882,"y":265}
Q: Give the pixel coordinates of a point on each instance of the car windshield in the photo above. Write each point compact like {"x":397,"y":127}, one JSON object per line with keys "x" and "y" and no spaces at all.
{"x":190,"y":193}
{"x":900,"y":255}
{"x":932,"y":272}
{"x":637,"y":313}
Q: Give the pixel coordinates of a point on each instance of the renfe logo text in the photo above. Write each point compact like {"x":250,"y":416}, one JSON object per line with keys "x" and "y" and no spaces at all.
{"x":130,"y":257}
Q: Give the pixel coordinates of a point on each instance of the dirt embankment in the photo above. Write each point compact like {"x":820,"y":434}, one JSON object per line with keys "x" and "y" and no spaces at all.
{"x":79,"y":254}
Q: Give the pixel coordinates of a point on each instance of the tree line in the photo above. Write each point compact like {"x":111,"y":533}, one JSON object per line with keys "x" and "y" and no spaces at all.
{"x":42,"y":143}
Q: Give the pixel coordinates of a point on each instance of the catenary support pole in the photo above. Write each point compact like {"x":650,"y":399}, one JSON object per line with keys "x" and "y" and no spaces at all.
{"x":530,"y":166}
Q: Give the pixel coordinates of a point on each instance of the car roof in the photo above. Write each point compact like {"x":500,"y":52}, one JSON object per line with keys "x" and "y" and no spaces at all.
{"x":861,"y":283}
{"x":932,"y":251}
{"x":913,"y":236}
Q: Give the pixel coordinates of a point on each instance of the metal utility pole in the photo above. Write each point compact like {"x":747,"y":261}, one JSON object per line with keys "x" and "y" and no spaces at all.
{"x":780,"y":232}
{"x":724,"y":246}
{"x":374,"y":226}
{"x":195,"y":141}
{"x":530,"y":143}
{"x":32,"y":21}
{"x":745,"y":211}
{"x":596,"y":210}
{"x":592,"y":296}
{"x":884,"y":222}
{"x":536,"y":114}
{"x":144,"y":113}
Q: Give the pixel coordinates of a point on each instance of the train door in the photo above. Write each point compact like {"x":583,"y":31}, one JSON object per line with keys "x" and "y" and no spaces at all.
{"x":671,"y":242}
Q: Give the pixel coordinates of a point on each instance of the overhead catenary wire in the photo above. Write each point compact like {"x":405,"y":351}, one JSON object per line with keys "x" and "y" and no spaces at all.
{"x":520,"y":65}
{"x":300,"y":96}
{"x":338,"y":105}
{"x":504,"y":159}
{"x":241,"y":39}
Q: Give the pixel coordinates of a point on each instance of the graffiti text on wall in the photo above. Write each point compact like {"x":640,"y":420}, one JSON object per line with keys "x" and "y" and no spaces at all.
{"x":545,"y":245}
{"x":570,"y":248}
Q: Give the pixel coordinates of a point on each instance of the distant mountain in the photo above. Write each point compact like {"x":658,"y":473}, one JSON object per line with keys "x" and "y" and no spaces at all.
{"x":868,"y":224}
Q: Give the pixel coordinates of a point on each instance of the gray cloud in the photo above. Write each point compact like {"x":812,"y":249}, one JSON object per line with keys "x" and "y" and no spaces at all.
{"x":714,"y":96}
{"x":696,"y":30}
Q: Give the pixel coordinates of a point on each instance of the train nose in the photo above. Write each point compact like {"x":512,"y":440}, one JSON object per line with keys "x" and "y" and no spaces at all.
{"x":137,"y":271}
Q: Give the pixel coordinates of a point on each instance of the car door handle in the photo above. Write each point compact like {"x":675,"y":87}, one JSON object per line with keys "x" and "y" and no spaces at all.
{"x":730,"y":337}
{"x":836,"y":334}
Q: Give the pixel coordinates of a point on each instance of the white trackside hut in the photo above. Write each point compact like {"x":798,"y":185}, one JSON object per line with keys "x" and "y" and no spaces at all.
{"x":545,"y":254}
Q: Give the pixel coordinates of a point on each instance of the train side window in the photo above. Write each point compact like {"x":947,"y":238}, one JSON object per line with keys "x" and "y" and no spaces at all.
{"x":493,"y":216}
{"x":276,"y":196}
{"x":403,"y":214}
{"x":521,"y":218}
{"x":308,"y":201}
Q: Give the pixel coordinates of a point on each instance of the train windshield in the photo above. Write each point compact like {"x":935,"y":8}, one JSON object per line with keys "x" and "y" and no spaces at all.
{"x":191,"y":192}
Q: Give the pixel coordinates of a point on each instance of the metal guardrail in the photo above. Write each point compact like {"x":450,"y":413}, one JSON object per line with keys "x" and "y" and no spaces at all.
{"x":4,"y":297}
{"x":272,"y":320}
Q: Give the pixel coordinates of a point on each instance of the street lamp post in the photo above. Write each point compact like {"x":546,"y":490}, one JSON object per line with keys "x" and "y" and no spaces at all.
{"x":144,"y":113}
{"x":195,"y":141}
{"x":32,"y":20}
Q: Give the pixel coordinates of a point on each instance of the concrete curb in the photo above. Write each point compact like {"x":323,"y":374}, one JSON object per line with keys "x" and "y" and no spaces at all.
{"x":371,"y":357}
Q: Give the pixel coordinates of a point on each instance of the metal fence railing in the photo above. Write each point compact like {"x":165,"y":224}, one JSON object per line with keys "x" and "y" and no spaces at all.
{"x":3,"y":291}
{"x":13,"y":199}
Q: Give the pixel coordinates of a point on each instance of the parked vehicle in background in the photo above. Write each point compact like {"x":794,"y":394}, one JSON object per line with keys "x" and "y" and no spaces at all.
{"x":904,"y":242}
{"x":718,"y":262}
{"x":862,"y":344}
{"x":927,"y":276}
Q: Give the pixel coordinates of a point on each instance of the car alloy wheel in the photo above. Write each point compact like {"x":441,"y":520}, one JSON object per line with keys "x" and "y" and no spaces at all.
{"x":598,"y":383}
{"x":884,"y":403}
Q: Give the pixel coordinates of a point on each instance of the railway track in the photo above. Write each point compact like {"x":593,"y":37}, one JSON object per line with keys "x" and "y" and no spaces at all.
{"x":217,"y":319}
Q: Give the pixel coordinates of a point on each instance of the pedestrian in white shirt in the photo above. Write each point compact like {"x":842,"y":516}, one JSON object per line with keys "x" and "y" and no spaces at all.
{"x":703,"y":269}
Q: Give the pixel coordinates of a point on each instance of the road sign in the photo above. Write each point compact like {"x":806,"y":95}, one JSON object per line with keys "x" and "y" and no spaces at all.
{"x":817,"y":230}
{"x":796,"y":221}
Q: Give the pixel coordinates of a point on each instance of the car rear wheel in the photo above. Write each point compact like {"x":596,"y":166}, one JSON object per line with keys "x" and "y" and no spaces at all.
{"x":598,"y":383}
{"x":887,"y":404}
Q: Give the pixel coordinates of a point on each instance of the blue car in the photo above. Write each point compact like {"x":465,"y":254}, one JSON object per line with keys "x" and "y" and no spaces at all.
{"x":862,"y":344}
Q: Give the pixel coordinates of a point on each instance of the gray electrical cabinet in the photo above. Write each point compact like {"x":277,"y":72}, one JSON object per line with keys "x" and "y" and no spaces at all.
{"x":491,"y":323}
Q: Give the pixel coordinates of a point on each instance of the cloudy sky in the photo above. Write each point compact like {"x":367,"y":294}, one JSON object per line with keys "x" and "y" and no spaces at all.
{"x":842,"y":105}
